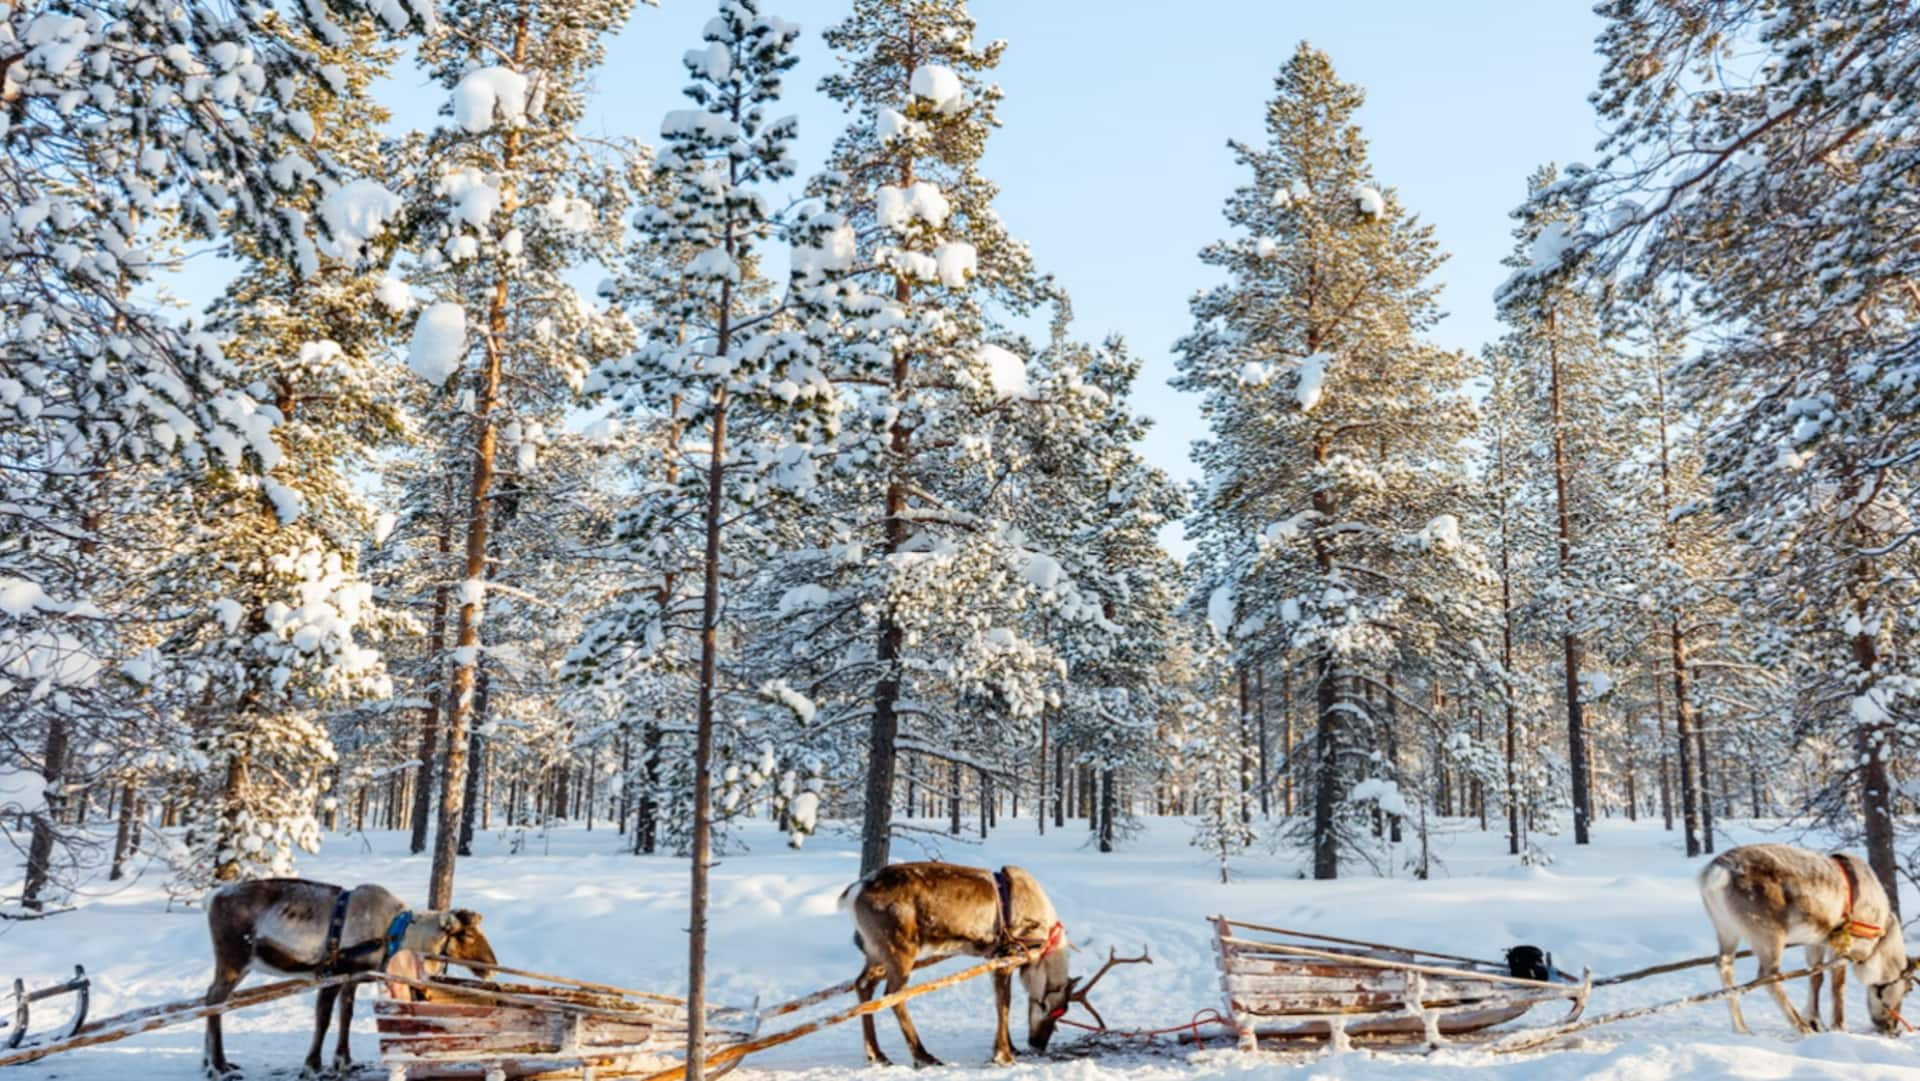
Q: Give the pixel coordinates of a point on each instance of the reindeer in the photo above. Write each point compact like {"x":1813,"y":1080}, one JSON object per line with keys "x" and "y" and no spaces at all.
{"x":1775,"y":896}
{"x":294,"y":927}
{"x":910,"y":911}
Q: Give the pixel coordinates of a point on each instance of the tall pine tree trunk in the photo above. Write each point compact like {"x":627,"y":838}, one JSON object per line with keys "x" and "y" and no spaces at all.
{"x":1570,"y":645}
{"x":883,"y":733}
{"x":453,"y":777}
{"x":1326,"y":781}
{"x":436,"y":656}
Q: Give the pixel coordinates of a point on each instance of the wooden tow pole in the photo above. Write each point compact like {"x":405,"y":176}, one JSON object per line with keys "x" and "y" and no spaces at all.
{"x":1531,"y":1038}
{"x":885,"y":1002}
{"x":146,"y":1019}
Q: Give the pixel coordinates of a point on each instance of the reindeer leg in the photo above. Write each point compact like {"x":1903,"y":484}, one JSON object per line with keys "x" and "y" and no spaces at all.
{"x":1816,"y":956}
{"x":863,"y":986}
{"x":1767,"y":952}
{"x":342,"y":1055}
{"x":1727,"y":950}
{"x":1002,"y":1001}
{"x":229,"y":968}
{"x":322,"y":1013}
{"x":899,"y":969}
{"x":1840,"y":999}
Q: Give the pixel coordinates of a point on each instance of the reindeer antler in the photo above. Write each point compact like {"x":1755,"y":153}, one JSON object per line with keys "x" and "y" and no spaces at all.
{"x":1113,"y":958}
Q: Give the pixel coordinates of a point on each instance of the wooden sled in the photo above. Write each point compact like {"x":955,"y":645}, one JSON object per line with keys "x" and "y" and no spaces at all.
{"x":538,"y":1026}
{"x":1291,"y":987}
{"x":23,"y":1000}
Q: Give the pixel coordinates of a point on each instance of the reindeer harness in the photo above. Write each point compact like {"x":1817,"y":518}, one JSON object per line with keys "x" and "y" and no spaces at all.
{"x":1003,"y":928}
{"x":1841,"y":937}
{"x":334,"y":957}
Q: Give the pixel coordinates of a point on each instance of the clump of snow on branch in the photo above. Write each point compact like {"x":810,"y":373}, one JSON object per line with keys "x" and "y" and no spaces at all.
{"x":1006,"y":372}
{"x":1311,"y":383}
{"x":486,"y":93}
{"x":940,"y":86}
{"x":439,"y":342}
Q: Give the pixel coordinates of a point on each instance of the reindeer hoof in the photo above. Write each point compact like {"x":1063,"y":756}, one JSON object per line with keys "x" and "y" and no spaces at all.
{"x":923,"y":1059}
{"x":221,"y":1071}
{"x":1003,"y":1058}
{"x":875,"y":1058}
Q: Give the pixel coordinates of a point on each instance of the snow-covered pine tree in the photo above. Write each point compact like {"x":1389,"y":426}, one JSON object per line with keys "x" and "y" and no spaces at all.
{"x":128,"y":125}
{"x":721,"y":358}
{"x":909,"y":595}
{"x":1329,"y":522}
{"x":503,"y":200}
{"x":285,"y":547}
{"x":1776,"y":203}
{"x":1503,"y":442}
{"x":1571,"y":380}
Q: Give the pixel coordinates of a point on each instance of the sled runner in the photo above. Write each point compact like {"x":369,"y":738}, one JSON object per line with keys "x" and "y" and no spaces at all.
{"x":23,"y":1000}
{"x":1286,"y":986}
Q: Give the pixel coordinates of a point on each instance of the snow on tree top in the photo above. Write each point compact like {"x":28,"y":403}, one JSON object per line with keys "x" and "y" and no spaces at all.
{"x":486,"y":92}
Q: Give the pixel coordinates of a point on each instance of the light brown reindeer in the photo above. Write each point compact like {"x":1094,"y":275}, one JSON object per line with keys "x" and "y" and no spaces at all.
{"x":910,"y":911}
{"x":295,"y":927}
{"x":1775,"y":896}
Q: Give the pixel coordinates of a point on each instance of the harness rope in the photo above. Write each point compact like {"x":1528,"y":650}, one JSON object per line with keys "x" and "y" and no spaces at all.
{"x":1848,"y":924}
{"x":1208,"y":1016}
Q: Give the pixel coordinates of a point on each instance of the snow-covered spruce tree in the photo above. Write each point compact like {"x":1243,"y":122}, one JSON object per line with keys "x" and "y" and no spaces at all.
{"x":1777,"y":203}
{"x":501,"y":202}
{"x":1329,"y":520}
{"x":1571,"y":377}
{"x":1208,"y":744}
{"x":1087,"y":497}
{"x":128,"y":126}
{"x":909,"y":595}
{"x":722,"y":356}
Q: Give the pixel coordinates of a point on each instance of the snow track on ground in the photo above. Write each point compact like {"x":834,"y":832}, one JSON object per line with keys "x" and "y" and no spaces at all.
{"x":572,"y":903}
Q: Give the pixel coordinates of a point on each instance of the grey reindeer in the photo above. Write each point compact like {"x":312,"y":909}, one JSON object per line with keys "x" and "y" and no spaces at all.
{"x":294,"y":927}
{"x":909,"y":911}
{"x":1774,"y":896}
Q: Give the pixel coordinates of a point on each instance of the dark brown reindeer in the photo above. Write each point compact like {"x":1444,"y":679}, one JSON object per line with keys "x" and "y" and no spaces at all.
{"x":910,"y":911}
{"x":294,"y":927}
{"x":1775,"y":896}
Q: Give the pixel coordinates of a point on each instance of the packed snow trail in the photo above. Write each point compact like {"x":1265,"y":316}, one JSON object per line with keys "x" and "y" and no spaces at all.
{"x":572,"y":903}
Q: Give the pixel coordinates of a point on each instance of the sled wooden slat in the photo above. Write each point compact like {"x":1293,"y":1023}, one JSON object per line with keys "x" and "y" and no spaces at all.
{"x":1288,"y":986}
{"x":472,"y":1030}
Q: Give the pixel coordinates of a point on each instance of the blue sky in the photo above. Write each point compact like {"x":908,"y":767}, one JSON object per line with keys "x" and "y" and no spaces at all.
{"x":1113,"y":165}
{"x":1112,"y":161}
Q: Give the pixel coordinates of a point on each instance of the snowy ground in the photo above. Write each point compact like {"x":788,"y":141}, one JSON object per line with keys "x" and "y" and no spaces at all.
{"x":571,"y":903}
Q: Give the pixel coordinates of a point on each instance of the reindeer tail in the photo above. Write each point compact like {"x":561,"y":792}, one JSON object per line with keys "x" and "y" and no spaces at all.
{"x":1715,"y":883}
{"x":851,"y":894}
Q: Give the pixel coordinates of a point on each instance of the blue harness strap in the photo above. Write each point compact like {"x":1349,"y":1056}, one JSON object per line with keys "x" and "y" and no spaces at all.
{"x":396,"y":933}
{"x":330,"y":953}
{"x":336,"y":956}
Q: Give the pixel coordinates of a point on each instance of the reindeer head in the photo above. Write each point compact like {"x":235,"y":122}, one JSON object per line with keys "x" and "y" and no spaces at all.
{"x":1049,"y":992}
{"x":454,"y":934}
{"x":1883,"y":999}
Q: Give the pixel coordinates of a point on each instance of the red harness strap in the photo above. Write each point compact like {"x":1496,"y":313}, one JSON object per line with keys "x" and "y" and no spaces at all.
{"x":1852,"y":926}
